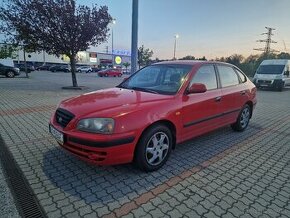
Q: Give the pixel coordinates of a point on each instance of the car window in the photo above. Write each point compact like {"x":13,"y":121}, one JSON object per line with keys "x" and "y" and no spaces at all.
{"x":206,"y":75}
{"x":160,"y":78}
{"x":241,"y":75}
{"x":228,"y":76}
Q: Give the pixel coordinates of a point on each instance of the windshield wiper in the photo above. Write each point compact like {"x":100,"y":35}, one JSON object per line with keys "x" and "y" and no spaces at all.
{"x":144,"y":89}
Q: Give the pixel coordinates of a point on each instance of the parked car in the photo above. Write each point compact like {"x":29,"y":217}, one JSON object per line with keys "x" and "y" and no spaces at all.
{"x":59,"y":68}
{"x":22,"y":67}
{"x":84,"y":69}
{"x":96,"y":69}
{"x":43,"y":67}
{"x":9,"y":71}
{"x":110,"y":72}
{"x":148,"y":114}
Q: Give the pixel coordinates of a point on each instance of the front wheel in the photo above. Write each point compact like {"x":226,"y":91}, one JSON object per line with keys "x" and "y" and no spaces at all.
{"x":10,"y":74}
{"x":154,"y":148}
{"x":243,"y":119}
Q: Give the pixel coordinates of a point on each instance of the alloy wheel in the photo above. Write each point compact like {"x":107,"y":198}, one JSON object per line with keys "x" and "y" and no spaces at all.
{"x":157,"y":148}
{"x":245,"y":117}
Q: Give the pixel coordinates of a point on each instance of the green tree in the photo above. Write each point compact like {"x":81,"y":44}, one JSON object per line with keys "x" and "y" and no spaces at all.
{"x":7,"y":51}
{"x":144,"y":56}
{"x":126,"y":65}
{"x":188,"y":57}
{"x":55,"y":26}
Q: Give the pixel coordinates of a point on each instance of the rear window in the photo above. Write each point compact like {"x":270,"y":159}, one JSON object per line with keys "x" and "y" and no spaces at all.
{"x":228,"y":76}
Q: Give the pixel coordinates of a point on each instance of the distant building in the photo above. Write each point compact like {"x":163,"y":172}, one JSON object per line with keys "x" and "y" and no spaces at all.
{"x":89,"y":57}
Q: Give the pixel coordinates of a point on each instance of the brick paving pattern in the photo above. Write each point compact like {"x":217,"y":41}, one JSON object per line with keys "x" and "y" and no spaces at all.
{"x":223,"y":173}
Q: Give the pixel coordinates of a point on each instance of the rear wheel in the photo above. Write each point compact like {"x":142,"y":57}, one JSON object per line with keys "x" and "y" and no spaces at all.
{"x":10,"y":74}
{"x":243,"y":119}
{"x":154,"y":148}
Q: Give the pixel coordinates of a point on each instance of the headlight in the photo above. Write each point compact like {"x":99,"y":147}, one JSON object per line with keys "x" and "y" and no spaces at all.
{"x":97,"y":125}
{"x":16,"y":69}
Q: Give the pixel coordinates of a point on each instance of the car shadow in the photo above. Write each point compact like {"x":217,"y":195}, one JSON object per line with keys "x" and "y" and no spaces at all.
{"x":95,"y":184}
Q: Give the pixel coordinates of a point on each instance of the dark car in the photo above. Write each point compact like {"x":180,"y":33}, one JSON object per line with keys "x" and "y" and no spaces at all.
{"x":43,"y":67}
{"x":9,"y":71}
{"x":96,"y":69}
{"x":22,"y":67}
{"x":59,"y":68}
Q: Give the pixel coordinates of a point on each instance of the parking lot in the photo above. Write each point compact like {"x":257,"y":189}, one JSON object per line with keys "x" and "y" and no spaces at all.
{"x":221,"y":174}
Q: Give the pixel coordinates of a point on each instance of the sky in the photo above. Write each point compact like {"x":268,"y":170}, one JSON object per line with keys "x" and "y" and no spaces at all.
{"x":211,"y":28}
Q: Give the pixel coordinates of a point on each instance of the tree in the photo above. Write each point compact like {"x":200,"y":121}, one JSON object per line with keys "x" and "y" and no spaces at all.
{"x":126,"y":65}
{"x":55,"y":26}
{"x":188,"y":57}
{"x":144,"y":56}
{"x":7,"y":51}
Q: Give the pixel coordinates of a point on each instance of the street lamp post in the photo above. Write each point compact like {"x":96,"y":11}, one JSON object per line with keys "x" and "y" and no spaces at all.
{"x":134,"y":40}
{"x":176,"y":36}
{"x":113,"y":22}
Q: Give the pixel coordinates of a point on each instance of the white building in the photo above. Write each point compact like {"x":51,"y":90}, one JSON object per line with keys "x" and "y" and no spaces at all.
{"x":89,"y":57}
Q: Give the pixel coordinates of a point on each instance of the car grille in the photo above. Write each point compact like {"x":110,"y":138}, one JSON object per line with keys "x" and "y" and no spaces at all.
{"x":268,"y":82}
{"x":63,"y":117}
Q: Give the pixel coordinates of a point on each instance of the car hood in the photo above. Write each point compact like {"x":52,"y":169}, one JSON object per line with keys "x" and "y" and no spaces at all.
{"x":113,"y":102}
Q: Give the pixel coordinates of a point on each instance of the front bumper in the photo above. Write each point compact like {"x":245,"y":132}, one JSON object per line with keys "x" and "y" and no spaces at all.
{"x":276,"y":83}
{"x":99,"y":149}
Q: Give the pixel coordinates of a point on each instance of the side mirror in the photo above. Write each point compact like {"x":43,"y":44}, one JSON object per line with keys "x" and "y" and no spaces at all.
{"x":286,"y":73}
{"x":197,"y":88}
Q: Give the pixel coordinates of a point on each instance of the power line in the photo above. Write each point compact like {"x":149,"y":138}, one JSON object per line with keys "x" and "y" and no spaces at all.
{"x":267,"y":41}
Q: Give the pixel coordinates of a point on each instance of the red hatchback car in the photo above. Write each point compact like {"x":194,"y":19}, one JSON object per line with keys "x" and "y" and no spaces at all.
{"x":110,"y":72}
{"x":148,"y":114}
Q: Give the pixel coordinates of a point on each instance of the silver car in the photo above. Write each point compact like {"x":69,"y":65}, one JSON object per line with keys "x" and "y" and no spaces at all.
{"x":84,"y":69}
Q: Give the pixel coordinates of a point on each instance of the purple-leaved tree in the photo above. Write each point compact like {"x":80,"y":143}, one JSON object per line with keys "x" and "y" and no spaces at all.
{"x":55,"y":26}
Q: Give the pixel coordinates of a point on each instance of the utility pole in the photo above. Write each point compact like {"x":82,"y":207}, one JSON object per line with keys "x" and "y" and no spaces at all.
{"x":267,"y":50}
{"x":134,"y":40}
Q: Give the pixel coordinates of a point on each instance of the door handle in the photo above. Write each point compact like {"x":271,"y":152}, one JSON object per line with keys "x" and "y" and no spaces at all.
{"x":243,"y":92}
{"x":218,"y":99}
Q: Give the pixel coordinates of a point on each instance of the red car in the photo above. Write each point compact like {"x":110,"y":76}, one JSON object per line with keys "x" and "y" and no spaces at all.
{"x":152,"y":111}
{"x":110,"y":72}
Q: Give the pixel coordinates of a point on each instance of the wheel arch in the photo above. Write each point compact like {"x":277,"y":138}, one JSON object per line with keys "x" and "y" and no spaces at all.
{"x":166,"y":123}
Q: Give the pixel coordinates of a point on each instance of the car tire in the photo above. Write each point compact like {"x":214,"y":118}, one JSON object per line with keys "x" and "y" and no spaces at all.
{"x":243,"y":119}
{"x":10,"y":74}
{"x":153,"y":148}
{"x":281,"y":87}
{"x":106,"y":75}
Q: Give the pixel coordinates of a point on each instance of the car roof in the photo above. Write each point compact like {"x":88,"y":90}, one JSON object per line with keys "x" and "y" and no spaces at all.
{"x":192,"y":62}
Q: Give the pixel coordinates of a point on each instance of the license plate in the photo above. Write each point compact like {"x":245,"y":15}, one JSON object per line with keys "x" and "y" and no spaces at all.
{"x":56,"y":134}
{"x":264,"y":85}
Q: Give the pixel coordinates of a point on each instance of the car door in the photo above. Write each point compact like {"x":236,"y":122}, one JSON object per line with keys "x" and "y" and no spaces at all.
{"x":200,"y":112}
{"x":234,"y":93}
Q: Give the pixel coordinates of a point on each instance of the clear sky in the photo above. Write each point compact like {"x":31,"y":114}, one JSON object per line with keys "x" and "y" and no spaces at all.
{"x":211,"y":28}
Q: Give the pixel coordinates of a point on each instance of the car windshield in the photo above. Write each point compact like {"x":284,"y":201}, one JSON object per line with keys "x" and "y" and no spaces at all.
{"x":270,"y":69}
{"x":161,"y":79}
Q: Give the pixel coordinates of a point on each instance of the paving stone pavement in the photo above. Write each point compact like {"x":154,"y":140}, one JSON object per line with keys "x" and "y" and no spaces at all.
{"x":223,"y":173}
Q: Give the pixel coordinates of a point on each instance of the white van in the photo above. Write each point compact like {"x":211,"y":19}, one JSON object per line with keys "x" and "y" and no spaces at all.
{"x":273,"y":74}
